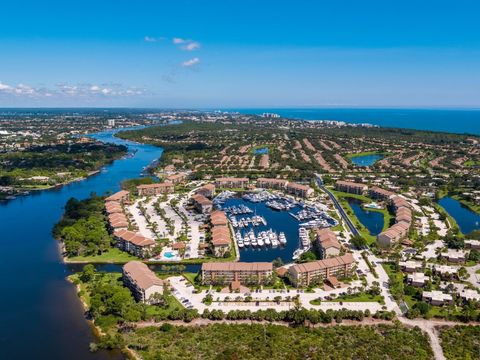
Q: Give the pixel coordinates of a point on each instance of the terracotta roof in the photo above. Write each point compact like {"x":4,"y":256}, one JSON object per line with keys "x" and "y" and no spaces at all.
{"x":237,"y":266}
{"x":220,"y":236}
{"x":200,"y":199}
{"x":178,"y":246}
{"x":295,"y":186}
{"x":381,"y":191}
{"x":327,"y":239}
{"x":351,"y":184}
{"x":134,"y":238}
{"x":231,"y":179}
{"x":208,"y":187}
{"x":156,"y":185}
{"x":218,"y":217}
{"x":324,"y":264}
{"x":113,"y":207}
{"x":143,"y":277}
{"x":118,"y":195}
{"x":273,"y":181}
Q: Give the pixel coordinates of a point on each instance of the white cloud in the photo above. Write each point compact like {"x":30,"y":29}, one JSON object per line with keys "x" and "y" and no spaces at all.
{"x":193,"y":45}
{"x":72,"y":91}
{"x":149,"y":39}
{"x":186,"y":44}
{"x":4,"y":87}
{"x":191,"y":62}
{"x":177,"y":41}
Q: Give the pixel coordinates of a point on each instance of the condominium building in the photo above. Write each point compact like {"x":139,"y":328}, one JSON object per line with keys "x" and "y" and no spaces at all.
{"x":446,"y":272}
{"x":231,"y":182}
{"x":141,"y":281}
{"x":318,"y":271}
{"x":155,"y":189}
{"x":417,"y":279}
{"x":218,"y":218}
{"x":472,"y":244}
{"x":122,"y":196}
{"x":202,"y":204}
{"x":393,"y":234}
{"x":327,"y":243}
{"x":221,"y":237}
{"x":207,"y":190}
{"x":117,"y":221}
{"x":177,"y":178}
{"x":454,"y":256}
{"x":403,"y":222}
{"x":410,"y":266}
{"x":281,"y":184}
{"x":112,"y":207}
{"x":437,"y":298}
{"x":133,"y":243}
{"x":230,"y":272}
{"x":351,"y":187}
{"x":299,"y":190}
{"x":379,"y":193}
{"x":268,"y":183}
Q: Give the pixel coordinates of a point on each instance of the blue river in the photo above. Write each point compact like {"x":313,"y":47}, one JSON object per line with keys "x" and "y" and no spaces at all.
{"x":38,"y":306}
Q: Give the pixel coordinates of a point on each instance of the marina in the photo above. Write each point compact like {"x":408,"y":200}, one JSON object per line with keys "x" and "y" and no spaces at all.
{"x":268,"y":226}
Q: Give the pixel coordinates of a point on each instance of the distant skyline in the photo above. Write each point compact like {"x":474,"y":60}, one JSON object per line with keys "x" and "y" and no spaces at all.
{"x":221,"y":54}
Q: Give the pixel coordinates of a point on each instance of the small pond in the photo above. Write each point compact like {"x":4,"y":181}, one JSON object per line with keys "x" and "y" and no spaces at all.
{"x":372,"y":220}
{"x":366,"y":160}
{"x":466,"y":219}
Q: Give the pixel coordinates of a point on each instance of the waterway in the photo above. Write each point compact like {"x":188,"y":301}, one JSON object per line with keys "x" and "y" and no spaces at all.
{"x":466,"y":219}
{"x":366,"y":160}
{"x":372,"y":220}
{"x":40,"y":314}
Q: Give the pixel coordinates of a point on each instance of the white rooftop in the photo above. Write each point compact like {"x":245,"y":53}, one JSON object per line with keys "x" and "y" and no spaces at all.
{"x":437,"y":295}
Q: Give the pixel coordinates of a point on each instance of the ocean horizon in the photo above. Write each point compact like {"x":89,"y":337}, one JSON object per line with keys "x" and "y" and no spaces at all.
{"x":461,"y":121}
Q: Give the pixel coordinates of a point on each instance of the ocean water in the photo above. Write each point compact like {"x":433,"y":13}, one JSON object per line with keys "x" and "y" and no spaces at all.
{"x":446,"y":120}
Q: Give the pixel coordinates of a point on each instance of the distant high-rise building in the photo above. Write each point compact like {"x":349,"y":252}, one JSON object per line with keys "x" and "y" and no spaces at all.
{"x":111,"y":122}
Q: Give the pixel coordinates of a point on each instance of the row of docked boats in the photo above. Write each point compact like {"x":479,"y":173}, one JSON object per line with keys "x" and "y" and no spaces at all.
{"x":280,"y":206}
{"x":304,"y":243}
{"x":263,"y":238}
{"x":307,"y":214}
{"x":222,"y":197}
{"x":261,"y":196}
{"x":238,"y":210}
{"x":255,"y":220}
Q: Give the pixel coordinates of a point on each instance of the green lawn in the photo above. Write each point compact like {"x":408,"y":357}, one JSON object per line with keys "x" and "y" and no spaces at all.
{"x":362,"y":297}
{"x":113,"y":255}
{"x":365,"y":153}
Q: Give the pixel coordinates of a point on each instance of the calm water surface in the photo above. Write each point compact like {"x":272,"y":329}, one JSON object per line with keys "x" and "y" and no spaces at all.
{"x":466,"y":219}
{"x":449,"y":120}
{"x":372,"y":220}
{"x":38,"y":307}
{"x":366,"y":160}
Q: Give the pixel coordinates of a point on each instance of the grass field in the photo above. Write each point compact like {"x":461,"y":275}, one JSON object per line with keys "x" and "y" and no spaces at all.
{"x":112,"y":255}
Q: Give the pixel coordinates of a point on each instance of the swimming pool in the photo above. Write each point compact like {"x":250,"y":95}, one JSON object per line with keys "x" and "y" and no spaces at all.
{"x":169,"y":255}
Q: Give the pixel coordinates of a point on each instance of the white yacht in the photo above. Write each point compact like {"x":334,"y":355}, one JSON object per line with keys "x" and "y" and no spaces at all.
{"x":282,"y":238}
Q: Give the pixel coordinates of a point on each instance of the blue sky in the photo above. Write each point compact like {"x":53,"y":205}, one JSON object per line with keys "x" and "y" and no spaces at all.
{"x":240,"y":53}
